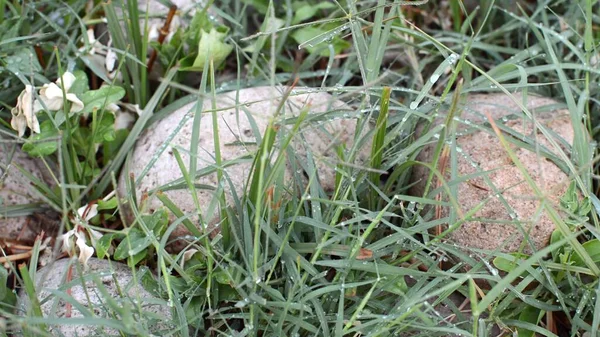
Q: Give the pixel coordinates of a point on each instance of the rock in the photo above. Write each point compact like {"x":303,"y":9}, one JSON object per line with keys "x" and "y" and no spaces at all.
{"x":15,"y":190}
{"x":237,"y":139}
{"x":113,"y":278}
{"x":481,"y":151}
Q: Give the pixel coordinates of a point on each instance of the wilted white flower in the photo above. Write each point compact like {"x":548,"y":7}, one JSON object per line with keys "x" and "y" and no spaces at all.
{"x":51,"y":94}
{"x":110,"y":60}
{"x":96,"y":46}
{"x":23,"y":115}
{"x":92,"y":211}
{"x":85,"y":251}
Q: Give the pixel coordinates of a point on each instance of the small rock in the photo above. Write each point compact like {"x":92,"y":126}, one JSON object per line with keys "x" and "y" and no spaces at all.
{"x":481,"y":151}
{"x":237,"y":142}
{"x":15,"y":190}
{"x":101,"y":279}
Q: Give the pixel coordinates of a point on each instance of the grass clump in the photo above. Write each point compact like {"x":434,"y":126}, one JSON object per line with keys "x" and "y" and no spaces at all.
{"x":292,"y":259}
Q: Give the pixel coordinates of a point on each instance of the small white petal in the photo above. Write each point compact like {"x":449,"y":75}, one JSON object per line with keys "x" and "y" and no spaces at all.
{"x":85,"y":251}
{"x":24,"y":113}
{"x":91,"y":36}
{"x":18,"y":121}
{"x":37,"y":106}
{"x":94,"y":236}
{"x":91,"y":40}
{"x":153,"y":33}
{"x":91,"y":212}
{"x":51,"y":91}
{"x":66,"y":242}
{"x":51,"y":96}
{"x":123,"y":120}
{"x":76,"y":103}
{"x":81,"y":210}
{"x":110,"y":60}
{"x":112,"y":107}
{"x":27,"y":107}
{"x":68,"y":78}
{"x":138,"y":111}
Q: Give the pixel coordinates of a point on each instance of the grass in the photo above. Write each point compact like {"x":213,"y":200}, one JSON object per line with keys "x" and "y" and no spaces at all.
{"x":363,"y":259}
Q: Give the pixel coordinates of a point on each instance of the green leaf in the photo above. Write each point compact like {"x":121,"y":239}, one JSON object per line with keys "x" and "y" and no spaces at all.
{"x":398,"y":287}
{"x":222,"y":277}
{"x":508,"y":265}
{"x":530,"y":315}
{"x":100,"y":98}
{"x":308,"y":11}
{"x":88,"y":170}
{"x":104,"y":129}
{"x":7,"y":296}
{"x":150,"y":284}
{"x":156,"y":221}
{"x":111,"y":148}
{"x":108,"y":204}
{"x":24,"y":62}
{"x":308,"y":33}
{"x":135,"y":242}
{"x":80,"y":85}
{"x":260,"y":5}
{"x":592,"y":248}
{"x":132,"y":261}
{"x":200,"y":23}
{"x":103,"y":244}
{"x":43,"y":143}
{"x":195,"y":309}
{"x":211,"y":46}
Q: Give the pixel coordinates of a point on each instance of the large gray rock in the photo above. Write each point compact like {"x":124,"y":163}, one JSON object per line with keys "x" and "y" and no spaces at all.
{"x":480,"y":154}
{"x":16,"y":190}
{"x":104,"y":280}
{"x":238,"y":142}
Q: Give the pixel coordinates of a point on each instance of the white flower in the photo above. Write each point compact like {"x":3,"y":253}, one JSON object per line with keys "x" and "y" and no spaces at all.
{"x":85,"y":251}
{"x":92,"y":211}
{"x":23,"y":115}
{"x":95,"y":44}
{"x":110,"y":60}
{"x":51,"y":94}
{"x":84,"y":214}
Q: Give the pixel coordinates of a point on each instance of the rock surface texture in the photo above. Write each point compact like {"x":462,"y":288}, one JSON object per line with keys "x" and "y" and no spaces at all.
{"x":116,"y":279}
{"x":486,"y":174}
{"x":240,"y":125}
{"x":15,"y":189}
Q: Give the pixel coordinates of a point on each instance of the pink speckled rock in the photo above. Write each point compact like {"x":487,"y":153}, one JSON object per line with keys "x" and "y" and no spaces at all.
{"x":487,"y":175}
